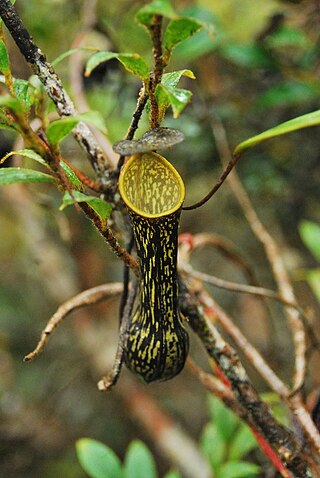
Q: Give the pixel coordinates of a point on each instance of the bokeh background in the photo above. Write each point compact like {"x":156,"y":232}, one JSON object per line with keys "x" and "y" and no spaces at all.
{"x":261,"y":68}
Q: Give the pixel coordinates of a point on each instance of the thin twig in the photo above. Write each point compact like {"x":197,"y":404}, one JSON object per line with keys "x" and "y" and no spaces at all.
{"x":141,"y":103}
{"x":233,"y":161}
{"x":272,"y":252}
{"x":107,"y":382}
{"x":85,"y":298}
{"x":53,"y":86}
{"x":236,"y":287}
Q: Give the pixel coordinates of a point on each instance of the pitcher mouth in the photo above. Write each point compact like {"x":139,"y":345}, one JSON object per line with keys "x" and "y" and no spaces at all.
{"x":150,"y":186}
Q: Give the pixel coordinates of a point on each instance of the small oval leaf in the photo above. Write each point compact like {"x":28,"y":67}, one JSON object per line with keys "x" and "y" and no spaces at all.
{"x":59,"y":129}
{"x":180,"y":29}
{"x":139,"y":462}
{"x":98,"y":460}
{"x":133,"y":63}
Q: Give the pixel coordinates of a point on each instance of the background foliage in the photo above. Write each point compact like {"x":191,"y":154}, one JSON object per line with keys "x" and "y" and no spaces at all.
{"x":260,"y":69}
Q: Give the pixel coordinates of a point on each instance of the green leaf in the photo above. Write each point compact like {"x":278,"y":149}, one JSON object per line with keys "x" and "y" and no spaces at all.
{"x":310,"y":234}
{"x":70,"y":52}
{"x":178,"y":30}
{"x":24,"y":92}
{"x":223,"y":418}
{"x":202,"y":42}
{"x":21,"y":175}
{"x":172,"y":474}
{"x":240,"y":469}
{"x":4,"y":60}
{"x":133,"y":62}
{"x":11,"y":103}
{"x":213,"y":445}
{"x":57,"y":130}
{"x":177,"y":98}
{"x":98,"y":460}
{"x":7,"y":127}
{"x":242,"y":443}
{"x":167,"y":94}
{"x":102,"y":208}
{"x":157,"y":7}
{"x":305,"y":121}
{"x":172,"y":79}
{"x":71,"y":175}
{"x":29,"y":153}
{"x":287,"y":36}
{"x":247,"y":55}
{"x":288,"y":93}
{"x":313,"y":278}
{"x":139,"y":462}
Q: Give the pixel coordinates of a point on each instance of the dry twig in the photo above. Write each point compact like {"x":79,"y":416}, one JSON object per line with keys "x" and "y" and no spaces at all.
{"x":85,"y":298}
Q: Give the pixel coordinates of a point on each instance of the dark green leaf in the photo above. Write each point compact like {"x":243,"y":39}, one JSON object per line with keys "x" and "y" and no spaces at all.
{"x":243,"y":442}
{"x":29,"y":153}
{"x":310,"y":234}
{"x":11,"y":103}
{"x":241,"y":469}
{"x":98,"y":460}
{"x":24,"y":92}
{"x":288,"y":93}
{"x":157,"y":7}
{"x":57,"y":130}
{"x":305,"y":121}
{"x":249,"y":55}
{"x":222,"y":417}
{"x":178,"y":30}
{"x":133,"y":62}
{"x":139,"y":462}
{"x":287,"y":36}
{"x":102,"y":208}
{"x":21,"y":175}
{"x":4,"y":60}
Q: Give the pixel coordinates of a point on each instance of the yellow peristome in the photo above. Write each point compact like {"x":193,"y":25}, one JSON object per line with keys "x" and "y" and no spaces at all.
{"x":150,"y":186}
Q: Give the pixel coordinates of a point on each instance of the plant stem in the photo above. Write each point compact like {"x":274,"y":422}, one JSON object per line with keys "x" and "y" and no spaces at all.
{"x":53,"y":86}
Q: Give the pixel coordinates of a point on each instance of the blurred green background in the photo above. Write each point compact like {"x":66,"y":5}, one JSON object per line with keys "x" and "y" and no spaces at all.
{"x":261,"y":68}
